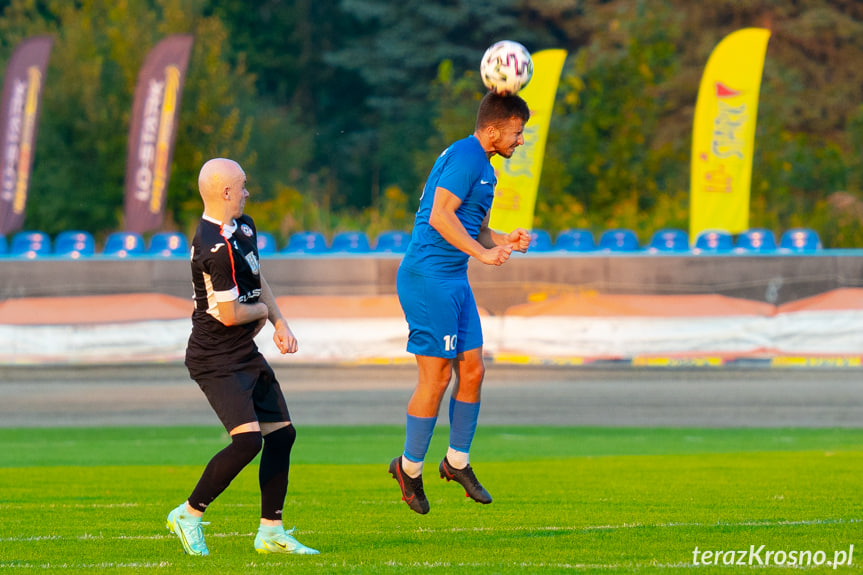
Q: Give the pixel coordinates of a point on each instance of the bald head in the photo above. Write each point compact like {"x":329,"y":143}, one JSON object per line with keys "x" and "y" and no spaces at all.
{"x":222,"y":183}
{"x":216,"y":175}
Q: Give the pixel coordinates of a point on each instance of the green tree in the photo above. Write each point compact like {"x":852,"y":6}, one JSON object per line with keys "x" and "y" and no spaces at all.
{"x":332,"y":105}
{"x":283,"y":45}
{"x":397,"y":51}
{"x":79,"y":167}
{"x":805,"y":148}
{"x":606,"y":164}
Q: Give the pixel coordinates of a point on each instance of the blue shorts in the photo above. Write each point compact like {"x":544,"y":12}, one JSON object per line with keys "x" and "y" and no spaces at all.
{"x":441,"y":313}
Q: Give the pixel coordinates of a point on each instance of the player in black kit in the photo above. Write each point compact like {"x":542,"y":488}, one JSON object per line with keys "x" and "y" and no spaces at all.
{"x":232,"y":303}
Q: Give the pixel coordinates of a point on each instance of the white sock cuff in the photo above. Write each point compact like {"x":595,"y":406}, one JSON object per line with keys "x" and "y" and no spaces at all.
{"x":412,"y":468}
{"x":457,"y":459}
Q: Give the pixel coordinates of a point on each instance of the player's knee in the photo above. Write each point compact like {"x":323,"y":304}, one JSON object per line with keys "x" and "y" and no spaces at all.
{"x":471,"y":375}
{"x":436,"y":380}
{"x":281,"y":440}
{"x":247,"y":445}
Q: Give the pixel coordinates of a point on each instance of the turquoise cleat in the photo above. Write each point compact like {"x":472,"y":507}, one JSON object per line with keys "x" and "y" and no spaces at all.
{"x":276,"y":540}
{"x":188,"y":529}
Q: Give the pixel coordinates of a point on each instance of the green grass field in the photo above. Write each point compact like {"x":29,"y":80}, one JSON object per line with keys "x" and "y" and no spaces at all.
{"x":566,"y":500}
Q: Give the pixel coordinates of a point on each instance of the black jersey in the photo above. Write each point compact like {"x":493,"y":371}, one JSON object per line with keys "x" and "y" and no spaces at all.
{"x":224,"y":268}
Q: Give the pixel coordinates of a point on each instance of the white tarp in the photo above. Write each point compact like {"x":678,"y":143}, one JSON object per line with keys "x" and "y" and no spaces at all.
{"x":383,"y":339}
{"x":817,"y":332}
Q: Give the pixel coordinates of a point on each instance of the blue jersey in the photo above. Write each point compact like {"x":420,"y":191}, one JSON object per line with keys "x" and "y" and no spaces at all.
{"x":464,"y":170}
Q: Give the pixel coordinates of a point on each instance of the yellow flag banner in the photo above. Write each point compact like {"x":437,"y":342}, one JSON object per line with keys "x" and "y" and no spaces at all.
{"x":518,"y":177}
{"x":723,"y":135}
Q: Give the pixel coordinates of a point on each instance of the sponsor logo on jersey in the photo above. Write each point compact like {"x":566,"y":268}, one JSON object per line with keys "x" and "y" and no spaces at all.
{"x":255,"y":293}
{"x":246,"y":230}
{"x":216,"y":247}
{"x":253,"y":263}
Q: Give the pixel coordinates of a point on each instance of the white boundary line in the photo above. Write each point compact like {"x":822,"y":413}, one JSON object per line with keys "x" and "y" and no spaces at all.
{"x":552,"y":528}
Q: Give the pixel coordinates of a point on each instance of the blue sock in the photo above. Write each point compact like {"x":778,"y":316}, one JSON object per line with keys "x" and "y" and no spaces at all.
{"x":418,"y":434}
{"x":462,"y":420}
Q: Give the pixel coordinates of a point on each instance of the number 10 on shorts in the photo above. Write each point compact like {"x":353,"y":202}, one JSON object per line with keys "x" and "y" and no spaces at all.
{"x":449,"y":342}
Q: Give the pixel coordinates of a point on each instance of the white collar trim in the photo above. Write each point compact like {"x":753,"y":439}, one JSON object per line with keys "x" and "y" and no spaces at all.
{"x":227,"y":229}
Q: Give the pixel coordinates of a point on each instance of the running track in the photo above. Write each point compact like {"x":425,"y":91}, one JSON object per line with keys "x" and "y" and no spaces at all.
{"x":163,"y":394}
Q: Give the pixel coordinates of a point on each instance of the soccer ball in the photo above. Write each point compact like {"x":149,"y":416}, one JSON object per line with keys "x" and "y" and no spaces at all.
{"x":506,"y":67}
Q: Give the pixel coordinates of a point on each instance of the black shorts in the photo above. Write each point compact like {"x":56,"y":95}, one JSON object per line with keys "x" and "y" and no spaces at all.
{"x":242,"y":393}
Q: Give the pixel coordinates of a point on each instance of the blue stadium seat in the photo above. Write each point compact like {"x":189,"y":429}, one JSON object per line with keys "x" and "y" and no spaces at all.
{"x":756,"y":240}
{"x":306,"y":243}
{"x":168,"y":245}
{"x":575,"y":240}
{"x":351,"y":242}
{"x":124,"y":244}
{"x":669,"y":240}
{"x":713,"y":241}
{"x":30,"y":245}
{"x":540,"y":241}
{"x":4,"y":247}
{"x":800,"y":240}
{"x":393,"y":241}
{"x":266,"y":243}
{"x":618,"y":240}
{"x":74,"y":244}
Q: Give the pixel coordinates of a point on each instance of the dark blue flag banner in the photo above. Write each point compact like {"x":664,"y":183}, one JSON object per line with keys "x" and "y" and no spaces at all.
{"x":19,"y":118}
{"x":153,"y":131}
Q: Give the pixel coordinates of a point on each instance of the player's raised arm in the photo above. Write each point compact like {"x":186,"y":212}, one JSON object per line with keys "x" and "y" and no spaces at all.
{"x":443,"y":218}
{"x":519,"y":238}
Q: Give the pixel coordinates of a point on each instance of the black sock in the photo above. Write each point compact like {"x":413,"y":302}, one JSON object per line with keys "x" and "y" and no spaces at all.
{"x":224,"y":467}
{"x":273,"y":475}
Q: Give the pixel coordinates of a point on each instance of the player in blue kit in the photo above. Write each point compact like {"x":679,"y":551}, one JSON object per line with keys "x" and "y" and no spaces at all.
{"x":232,"y":303}
{"x":451,"y":226}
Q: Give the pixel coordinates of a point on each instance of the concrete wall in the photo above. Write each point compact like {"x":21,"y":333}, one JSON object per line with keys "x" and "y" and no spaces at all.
{"x":96,"y":276}
{"x":775,"y":279}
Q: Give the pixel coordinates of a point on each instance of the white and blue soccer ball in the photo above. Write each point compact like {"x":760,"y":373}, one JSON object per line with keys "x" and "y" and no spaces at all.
{"x":506,"y":67}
